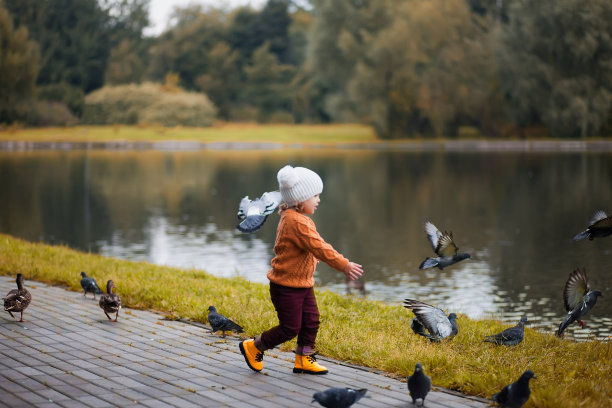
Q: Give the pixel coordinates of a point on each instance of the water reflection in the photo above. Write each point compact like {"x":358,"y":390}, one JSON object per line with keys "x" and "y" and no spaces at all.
{"x":514,"y":212}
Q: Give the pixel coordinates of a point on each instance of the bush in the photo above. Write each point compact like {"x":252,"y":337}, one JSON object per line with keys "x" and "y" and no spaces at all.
{"x":147,"y":103}
{"x":71,"y":96}
{"x":45,"y":113}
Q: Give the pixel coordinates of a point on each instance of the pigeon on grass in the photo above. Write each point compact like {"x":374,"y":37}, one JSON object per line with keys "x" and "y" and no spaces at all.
{"x":509,"y":337}
{"x":419,"y":384}
{"x":218,"y":322}
{"x":600,"y":226}
{"x":515,"y":395}
{"x":438,"y":325}
{"x":578,"y":299}
{"x":89,"y":284}
{"x":338,"y":397}
{"x":444,"y":247}
{"x":254,"y":213}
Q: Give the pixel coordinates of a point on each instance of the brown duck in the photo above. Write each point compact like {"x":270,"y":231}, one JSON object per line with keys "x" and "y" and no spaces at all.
{"x":17,"y":300}
{"x":110,"y":302}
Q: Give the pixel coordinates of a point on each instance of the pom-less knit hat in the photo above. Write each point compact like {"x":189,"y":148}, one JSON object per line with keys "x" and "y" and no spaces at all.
{"x":298,"y":184}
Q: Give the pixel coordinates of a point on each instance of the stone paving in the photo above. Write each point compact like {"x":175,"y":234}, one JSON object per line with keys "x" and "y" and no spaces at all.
{"x":67,"y":354}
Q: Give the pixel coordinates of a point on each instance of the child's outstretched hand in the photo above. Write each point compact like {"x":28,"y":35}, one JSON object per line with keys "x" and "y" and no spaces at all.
{"x":353,"y":271}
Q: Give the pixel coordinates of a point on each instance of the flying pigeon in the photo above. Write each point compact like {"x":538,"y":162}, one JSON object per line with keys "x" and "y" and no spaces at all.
{"x":444,"y":247}
{"x":578,"y":298}
{"x":600,"y":226}
{"x":89,"y":285}
{"x":221,"y":323}
{"x":434,"y":320}
{"x":254,"y":213}
{"x":515,"y":394}
{"x":338,"y":397}
{"x":17,"y":300}
{"x":110,"y":302}
{"x":419,"y":384}
{"x":509,"y":337}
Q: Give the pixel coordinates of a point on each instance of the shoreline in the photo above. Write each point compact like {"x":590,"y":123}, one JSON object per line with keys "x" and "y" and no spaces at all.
{"x":536,"y":146}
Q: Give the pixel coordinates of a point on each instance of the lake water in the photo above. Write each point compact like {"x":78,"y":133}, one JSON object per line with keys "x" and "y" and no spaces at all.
{"x":514,"y":212}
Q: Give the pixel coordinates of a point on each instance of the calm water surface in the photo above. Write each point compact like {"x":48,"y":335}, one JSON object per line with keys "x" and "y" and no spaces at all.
{"x":514,"y":212}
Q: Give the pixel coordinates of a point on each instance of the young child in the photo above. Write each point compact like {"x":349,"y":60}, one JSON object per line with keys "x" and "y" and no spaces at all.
{"x":298,"y":249}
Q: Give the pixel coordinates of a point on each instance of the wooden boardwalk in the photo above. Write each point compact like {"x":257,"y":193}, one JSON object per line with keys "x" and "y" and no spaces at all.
{"x":67,"y":354}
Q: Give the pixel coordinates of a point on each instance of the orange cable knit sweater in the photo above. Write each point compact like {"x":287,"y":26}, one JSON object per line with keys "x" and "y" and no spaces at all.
{"x":298,"y":246}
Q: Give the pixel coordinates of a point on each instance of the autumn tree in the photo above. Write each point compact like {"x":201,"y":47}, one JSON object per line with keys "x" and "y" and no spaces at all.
{"x":556,"y":66}
{"x":19,"y":64}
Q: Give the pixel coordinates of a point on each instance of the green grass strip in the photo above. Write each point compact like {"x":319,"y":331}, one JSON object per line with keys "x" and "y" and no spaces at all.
{"x":355,"y":330}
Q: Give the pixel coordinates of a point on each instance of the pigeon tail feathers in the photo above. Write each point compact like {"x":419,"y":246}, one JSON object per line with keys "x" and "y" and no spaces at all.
{"x":429,"y":263}
{"x":252,"y":223}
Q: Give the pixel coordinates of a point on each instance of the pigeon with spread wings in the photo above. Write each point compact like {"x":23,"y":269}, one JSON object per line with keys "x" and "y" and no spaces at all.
{"x":253,"y":213}
{"x":600,"y":226}
{"x":578,"y":298}
{"x":434,"y":320}
{"x":444,"y":247}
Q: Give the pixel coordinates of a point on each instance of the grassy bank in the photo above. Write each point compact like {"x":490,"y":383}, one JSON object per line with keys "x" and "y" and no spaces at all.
{"x":359,"y":331}
{"x":336,"y":133}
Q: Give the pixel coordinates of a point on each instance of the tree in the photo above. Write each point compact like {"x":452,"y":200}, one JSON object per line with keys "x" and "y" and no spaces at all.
{"x":19,"y":64}
{"x":73,"y":36}
{"x":267,"y":84}
{"x":556,"y":65}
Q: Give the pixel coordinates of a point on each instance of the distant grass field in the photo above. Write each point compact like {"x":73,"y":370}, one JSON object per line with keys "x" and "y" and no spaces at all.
{"x":336,"y":133}
{"x":359,"y":331}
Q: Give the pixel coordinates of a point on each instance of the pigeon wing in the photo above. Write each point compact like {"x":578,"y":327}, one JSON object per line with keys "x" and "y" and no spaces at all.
{"x":434,"y":319}
{"x":599,"y":216}
{"x":243,"y":207}
{"x":252,"y":223}
{"x":576,"y":287}
{"x":446,"y":246}
{"x":433,"y":234}
{"x":270,"y":201}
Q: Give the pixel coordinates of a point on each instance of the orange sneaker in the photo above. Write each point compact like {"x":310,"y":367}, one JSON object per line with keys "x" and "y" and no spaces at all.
{"x":252,"y":355}
{"x":308,"y":365}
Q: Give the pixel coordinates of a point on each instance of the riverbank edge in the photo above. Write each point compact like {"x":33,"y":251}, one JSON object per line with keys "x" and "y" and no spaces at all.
{"x":396,"y":145}
{"x":362,"y":332}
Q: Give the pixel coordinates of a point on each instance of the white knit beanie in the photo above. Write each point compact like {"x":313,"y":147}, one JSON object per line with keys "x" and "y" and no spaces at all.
{"x":298,"y":184}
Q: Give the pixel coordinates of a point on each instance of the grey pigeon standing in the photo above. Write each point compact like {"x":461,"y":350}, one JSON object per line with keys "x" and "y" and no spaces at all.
{"x":600,"y":226}
{"x":254,"y":213}
{"x":338,"y":397}
{"x":516,"y":394}
{"x":509,"y":337}
{"x":89,"y":284}
{"x":221,"y":323}
{"x":578,"y":299}
{"x":444,"y":247}
{"x":419,"y":384}
{"x":434,"y":320}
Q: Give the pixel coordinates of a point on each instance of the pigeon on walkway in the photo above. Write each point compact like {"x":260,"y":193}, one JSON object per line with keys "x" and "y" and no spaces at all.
{"x":419,"y":384}
{"x":516,"y":394}
{"x":254,"y":213}
{"x":89,"y":284}
{"x":434,"y":320}
{"x":578,"y":298}
{"x":600,"y":226}
{"x":17,"y":300}
{"x":221,"y":323}
{"x":110,"y":302}
{"x":338,"y":397}
{"x":509,"y":337}
{"x":444,"y":247}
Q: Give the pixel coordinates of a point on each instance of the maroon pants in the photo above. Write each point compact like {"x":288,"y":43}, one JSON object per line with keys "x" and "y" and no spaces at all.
{"x":298,"y":315}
